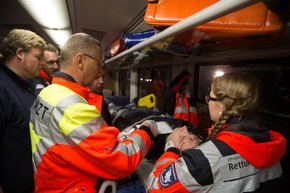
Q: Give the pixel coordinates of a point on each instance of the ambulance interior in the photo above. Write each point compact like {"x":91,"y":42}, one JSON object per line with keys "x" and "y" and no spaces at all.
{"x":139,"y":35}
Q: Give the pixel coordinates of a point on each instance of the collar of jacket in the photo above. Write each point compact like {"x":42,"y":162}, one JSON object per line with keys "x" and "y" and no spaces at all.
{"x":259,"y":155}
{"x":260,"y":146}
{"x":44,"y":76}
{"x":86,"y":93}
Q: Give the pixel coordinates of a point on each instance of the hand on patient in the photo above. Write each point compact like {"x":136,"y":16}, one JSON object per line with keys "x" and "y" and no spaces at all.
{"x":182,"y":139}
{"x":152,"y":126}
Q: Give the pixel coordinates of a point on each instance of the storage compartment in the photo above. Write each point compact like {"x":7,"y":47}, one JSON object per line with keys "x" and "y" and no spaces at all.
{"x":255,"y":22}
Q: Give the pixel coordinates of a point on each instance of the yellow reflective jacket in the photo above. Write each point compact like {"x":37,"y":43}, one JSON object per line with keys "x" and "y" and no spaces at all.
{"x":73,"y":146}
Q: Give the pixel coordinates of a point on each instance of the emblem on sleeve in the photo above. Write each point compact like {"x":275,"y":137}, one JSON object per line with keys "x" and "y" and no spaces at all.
{"x":168,"y":176}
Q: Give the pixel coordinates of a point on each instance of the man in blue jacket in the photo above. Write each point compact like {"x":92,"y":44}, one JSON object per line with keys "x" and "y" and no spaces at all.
{"x":22,"y":52}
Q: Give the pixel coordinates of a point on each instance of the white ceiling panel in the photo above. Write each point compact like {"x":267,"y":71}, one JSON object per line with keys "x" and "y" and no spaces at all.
{"x":103,"y":19}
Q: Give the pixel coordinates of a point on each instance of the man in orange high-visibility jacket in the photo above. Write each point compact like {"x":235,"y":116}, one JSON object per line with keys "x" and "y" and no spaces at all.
{"x":73,"y":147}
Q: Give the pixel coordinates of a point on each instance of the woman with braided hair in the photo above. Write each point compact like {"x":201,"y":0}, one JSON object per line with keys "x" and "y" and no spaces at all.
{"x":238,"y":156}
{"x":236,"y":96}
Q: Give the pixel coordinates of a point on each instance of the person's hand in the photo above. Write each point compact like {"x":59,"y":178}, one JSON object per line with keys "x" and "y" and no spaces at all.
{"x":183,"y":139}
{"x":189,"y":142}
{"x":152,"y":126}
{"x":177,"y":135}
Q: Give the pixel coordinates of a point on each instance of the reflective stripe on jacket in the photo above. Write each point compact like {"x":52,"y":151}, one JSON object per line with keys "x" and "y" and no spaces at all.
{"x":243,"y":157}
{"x":211,"y":167}
{"x":72,"y":144}
{"x":185,"y":110}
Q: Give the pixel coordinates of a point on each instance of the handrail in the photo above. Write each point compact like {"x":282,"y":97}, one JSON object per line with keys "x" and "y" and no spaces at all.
{"x":216,"y":10}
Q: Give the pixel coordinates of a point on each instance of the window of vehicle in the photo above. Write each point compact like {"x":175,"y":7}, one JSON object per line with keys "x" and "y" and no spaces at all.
{"x":274,"y":80}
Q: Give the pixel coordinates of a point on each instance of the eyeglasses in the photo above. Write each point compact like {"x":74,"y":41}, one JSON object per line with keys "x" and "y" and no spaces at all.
{"x":209,"y":98}
{"x":102,"y":63}
{"x":53,"y":62}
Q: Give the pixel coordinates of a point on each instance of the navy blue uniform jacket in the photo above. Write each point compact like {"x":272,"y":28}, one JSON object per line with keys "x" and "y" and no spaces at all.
{"x":16,"y":98}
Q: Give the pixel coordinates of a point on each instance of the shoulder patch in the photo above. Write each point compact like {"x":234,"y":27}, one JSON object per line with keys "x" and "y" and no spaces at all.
{"x":168,"y":176}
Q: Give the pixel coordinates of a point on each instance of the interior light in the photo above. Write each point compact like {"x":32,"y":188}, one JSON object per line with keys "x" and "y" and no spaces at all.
{"x":52,"y":16}
{"x":58,"y":36}
{"x":218,"y":73}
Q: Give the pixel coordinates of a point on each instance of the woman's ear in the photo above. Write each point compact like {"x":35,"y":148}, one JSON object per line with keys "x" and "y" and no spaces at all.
{"x":221,"y":106}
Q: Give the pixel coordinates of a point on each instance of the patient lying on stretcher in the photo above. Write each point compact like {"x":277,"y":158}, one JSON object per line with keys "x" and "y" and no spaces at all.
{"x":182,"y":139}
{"x":129,"y":117}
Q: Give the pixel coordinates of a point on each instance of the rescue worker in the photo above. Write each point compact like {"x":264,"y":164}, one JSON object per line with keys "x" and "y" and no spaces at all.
{"x":239,"y":154}
{"x":49,"y":67}
{"x":73,"y":147}
{"x":97,"y":88}
{"x":99,"y":82}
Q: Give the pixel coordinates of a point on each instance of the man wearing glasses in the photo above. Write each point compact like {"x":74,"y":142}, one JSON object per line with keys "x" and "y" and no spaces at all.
{"x":73,"y":147}
{"x":50,"y":65}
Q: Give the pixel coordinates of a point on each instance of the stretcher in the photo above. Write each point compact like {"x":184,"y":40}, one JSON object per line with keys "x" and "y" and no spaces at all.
{"x":128,"y":118}
{"x":253,"y":23}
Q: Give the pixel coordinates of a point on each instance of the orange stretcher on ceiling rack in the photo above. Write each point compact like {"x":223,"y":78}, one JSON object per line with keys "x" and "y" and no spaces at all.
{"x":253,"y":24}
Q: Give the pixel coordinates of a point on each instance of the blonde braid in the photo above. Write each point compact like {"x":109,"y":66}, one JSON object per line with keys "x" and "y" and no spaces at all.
{"x":222,"y":120}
